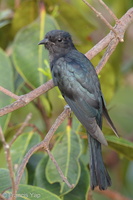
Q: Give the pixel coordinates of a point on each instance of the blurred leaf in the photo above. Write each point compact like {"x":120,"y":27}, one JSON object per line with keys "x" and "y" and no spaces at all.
{"x":41,"y":180}
{"x":66,"y":152}
{"x":121,"y":110}
{"x":80,"y":192}
{"x":63,"y":16}
{"x":32,"y":165}
{"x":122,"y":146}
{"x":29,"y":192}
{"x":5,"y":181}
{"x":24,"y":14}
{"x":6,"y":81}
{"x":27,"y":56}
{"x":22,"y":145}
{"x":5,"y":16}
{"x":107,"y":79}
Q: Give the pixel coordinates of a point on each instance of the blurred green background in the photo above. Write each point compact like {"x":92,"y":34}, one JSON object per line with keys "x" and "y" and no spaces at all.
{"x":24,"y":66}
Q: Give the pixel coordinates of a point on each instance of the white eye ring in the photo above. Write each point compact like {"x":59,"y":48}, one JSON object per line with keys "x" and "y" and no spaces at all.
{"x":59,"y":40}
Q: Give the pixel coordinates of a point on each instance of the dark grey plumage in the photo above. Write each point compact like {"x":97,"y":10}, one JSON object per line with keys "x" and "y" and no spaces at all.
{"x":77,"y":80}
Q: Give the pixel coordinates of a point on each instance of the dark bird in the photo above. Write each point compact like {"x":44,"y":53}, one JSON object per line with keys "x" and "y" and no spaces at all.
{"x":77,"y":80}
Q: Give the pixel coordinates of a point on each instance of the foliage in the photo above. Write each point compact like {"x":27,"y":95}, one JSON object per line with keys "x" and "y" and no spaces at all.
{"x":24,"y":66}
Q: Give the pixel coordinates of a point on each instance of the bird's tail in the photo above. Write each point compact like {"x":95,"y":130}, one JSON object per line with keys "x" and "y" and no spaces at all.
{"x":98,"y":173}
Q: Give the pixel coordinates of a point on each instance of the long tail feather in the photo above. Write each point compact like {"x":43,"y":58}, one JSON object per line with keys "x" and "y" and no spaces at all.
{"x":107,"y":117}
{"x":98,"y":172}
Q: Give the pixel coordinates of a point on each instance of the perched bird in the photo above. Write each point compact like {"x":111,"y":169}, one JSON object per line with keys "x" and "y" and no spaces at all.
{"x":77,"y":80}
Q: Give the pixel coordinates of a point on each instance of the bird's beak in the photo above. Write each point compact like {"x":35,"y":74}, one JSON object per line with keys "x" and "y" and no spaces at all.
{"x":44,"y":41}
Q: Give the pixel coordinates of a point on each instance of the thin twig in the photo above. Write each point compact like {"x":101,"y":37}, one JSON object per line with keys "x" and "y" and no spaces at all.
{"x":9,"y":162}
{"x":109,"y":10}
{"x":19,"y":132}
{"x":98,"y":14}
{"x":121,"y":27}
{"x":35,"y":128}
{"x":2,"y":198}
{"x":44,"y":144}
{"x":110,"y":49}
{"x":9,"y":93}
{"x":59,"y":169}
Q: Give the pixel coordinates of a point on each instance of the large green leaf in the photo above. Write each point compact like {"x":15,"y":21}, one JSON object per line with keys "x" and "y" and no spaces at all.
{"x":5,"y":181}
{"x":28,"y":57}
{"x":29,"y":192}
{"x":81,"y":190}
{"x":41,"y":180}
{"x":24,"y":14}
{"x":122,"y":146}
{"x":6,"y":81}
{"x":66,"y":152}
{"x":21,"y":146}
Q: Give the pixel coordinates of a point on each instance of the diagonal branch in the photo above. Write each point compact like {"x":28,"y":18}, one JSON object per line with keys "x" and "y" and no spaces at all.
{"x":19,"y":132}
{"x":25,"y":99}
{"x":109,"y":10}
{"x":45,"y":145}
{"x":98,"y":14}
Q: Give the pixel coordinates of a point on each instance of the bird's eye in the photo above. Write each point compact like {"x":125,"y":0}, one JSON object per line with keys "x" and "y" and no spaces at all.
{"x":59,"y":40}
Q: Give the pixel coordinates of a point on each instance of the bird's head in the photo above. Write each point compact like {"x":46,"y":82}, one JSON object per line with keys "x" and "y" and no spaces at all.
{"x":57,"y":42}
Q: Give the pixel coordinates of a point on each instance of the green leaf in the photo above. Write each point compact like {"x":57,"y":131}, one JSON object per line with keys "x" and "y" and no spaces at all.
{"x":80,"y":192}
{"x":28,"y":57}
{"x":66,"y":152}
{"x":25,"y":14}
{"x":29,"y":192}
{"x":22,"y":145}
{"x":122,"y":146}
{"x":41,"y":180}
{"x":6,"y":81}
{"x":5,"y":181}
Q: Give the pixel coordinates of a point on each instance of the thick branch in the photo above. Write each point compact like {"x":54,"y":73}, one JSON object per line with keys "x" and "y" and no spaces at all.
{"x":25,"y":99}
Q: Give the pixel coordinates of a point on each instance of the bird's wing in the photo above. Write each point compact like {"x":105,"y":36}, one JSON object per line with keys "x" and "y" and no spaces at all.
{"x":80,"y":88}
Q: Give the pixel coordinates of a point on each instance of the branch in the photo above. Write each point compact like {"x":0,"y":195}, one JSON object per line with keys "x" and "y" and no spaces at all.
{"x":109,"y":10}
{"x":9,"y":162}
{"x":9,"y":93}
{"x":2,"y":198}
{"x":25,"y":99}
{"x":120,"y":28}
{"x":98,"y":14}
{"x":110,"y":49}
{"x":44,"y":144}
{"x":19,"y":132}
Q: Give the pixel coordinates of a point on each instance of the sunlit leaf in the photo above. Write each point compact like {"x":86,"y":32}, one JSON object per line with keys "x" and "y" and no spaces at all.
{"x":80,"y":192}
{"x":29,"y":192}
{"x":22,"y":145}
{"x":66,"y":152}
{"x":41,"y":180}
{"x":122,"y":146}
{"x":28,"y":57}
